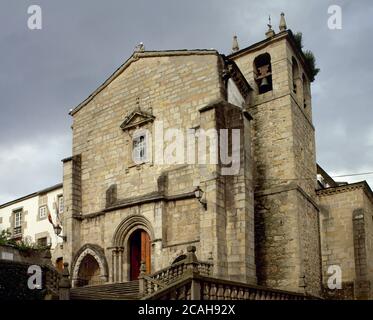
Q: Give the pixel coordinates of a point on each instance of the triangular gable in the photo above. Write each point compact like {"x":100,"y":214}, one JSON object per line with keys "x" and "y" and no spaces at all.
{"x":135,"y":57}
{"x":136,"y":118}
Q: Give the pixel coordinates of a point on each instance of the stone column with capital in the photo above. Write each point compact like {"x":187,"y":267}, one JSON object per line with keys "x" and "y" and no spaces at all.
{"x":114,"y":264}
{"x":120,"y":264}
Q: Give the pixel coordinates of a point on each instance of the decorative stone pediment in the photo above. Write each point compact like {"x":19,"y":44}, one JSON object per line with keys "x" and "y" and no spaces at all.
{"x":136,"y":118}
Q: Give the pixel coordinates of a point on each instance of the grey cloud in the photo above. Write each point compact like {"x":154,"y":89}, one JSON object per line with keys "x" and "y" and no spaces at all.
{"x":45,"y":73}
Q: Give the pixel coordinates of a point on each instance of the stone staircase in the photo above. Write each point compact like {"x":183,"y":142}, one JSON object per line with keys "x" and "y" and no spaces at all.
{"x":114,"y":291}
{"x":189,"y":279}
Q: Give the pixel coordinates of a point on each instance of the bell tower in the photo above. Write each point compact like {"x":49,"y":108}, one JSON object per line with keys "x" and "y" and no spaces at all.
{"x":287,"y":242}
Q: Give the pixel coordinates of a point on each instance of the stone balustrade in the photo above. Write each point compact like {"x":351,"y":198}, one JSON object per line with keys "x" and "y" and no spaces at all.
{"x":165,"y":277}
{"x":191,"y":279}
{"x":197,"y":287}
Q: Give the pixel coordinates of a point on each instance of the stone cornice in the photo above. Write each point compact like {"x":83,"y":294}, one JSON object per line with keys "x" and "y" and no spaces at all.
{"x":221,"y":102}
{"x":71,"y":158}
{"x":231,"y":70}
{"x":258,"y":45}
{"x":136,"y":201}
{"x":346,"y":188}
{"x":287,"y":188}
{"x":288,"y":34}
{"x":67,"y":159}
{"x":35,"y":194}
{"x":181,"y":243}
{"x":339,"y":189}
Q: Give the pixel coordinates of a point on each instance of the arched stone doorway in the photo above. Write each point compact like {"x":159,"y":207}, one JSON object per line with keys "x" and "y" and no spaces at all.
{"x":89,"y":272}
{"x":139,"y":250}
{"x":131,"y":244}
{"x":89,"y":267}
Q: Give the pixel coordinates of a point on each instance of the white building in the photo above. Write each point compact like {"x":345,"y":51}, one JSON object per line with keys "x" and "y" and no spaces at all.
{"x":27,"y":218}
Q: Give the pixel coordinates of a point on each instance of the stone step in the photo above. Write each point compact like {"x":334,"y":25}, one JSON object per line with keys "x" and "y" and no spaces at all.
{"x":97,"y":296}
{"x":112,"y":291}
{"x":107,"y":289}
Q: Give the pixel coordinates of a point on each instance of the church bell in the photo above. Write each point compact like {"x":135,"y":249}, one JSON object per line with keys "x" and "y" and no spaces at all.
{"x":264,"y":84}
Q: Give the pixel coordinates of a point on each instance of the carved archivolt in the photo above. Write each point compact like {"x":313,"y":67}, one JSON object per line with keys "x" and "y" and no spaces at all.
{"x":97,"y":253}
{"x":120,"y":250}
{"x":129,"y":225}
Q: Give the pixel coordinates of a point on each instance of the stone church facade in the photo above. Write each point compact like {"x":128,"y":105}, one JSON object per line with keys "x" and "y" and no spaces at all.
{"x":271,"y":223}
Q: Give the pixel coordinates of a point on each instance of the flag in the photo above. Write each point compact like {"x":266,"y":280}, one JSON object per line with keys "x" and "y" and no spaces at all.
{"x":50,"y":219}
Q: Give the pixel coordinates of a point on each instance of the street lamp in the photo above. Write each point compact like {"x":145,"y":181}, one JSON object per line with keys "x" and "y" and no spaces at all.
{"x":198,"y":192}
{"x":58,"y":230}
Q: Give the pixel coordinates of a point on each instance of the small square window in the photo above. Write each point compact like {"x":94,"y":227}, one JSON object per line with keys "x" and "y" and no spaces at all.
{"x":43,"y":212}
{"x":139,"y":149}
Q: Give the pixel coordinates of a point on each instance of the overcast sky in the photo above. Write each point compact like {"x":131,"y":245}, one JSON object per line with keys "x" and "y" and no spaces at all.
{"x":44,"y":73}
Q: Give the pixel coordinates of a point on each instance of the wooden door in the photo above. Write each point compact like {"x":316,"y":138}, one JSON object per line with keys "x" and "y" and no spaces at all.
{"x":145,"y":250}
{"x":139,"y":251}
{"x":89,"y":271}
{"x":59,"y":264}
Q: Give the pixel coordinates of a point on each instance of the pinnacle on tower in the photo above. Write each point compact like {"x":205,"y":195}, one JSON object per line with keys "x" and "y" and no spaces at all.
{"x":283,"y":25}
{"x":270,"y":33}
{"x":235,"y":46}
{"x":140,"y":47}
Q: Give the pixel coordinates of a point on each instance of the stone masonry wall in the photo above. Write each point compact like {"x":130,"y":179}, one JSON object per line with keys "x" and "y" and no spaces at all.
{"x":228,"y":225}
{"x":172,"y":88}
{"x":277,"y":232}
{"x":310,"y":246}
{"x":346,"y":238}
{"x":72,"y":206}
{"x":368,"y":214}
{"x":286,"y":213}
